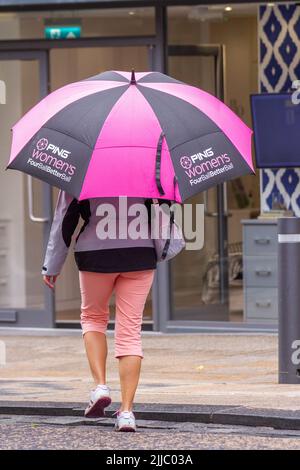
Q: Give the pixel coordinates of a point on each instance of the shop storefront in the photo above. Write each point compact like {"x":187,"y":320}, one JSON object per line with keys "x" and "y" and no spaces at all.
{"x":212,"y":46}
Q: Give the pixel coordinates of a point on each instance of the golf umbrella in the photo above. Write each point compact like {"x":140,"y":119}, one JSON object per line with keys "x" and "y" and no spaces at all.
{"x":129,"y":134}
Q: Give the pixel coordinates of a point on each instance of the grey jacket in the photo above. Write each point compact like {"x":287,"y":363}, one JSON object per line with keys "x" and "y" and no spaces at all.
{"x":95,"y":218}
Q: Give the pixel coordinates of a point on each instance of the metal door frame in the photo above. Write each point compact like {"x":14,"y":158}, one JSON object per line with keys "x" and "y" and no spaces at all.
{"x":165,"y":295}
{"x":28,"y":317}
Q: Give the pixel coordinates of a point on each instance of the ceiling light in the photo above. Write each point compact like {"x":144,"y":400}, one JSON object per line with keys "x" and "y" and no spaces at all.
{"x":131,"y":13}
{"x":228,"y":8}
{"x":201,"y":13}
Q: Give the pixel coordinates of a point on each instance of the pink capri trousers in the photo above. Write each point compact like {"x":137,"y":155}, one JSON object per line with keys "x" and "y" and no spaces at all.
{"x":131,"y":291}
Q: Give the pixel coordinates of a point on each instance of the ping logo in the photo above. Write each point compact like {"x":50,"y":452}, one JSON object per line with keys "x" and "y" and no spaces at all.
{"x":207,"y":153}
{"x":186,"y":162}
{"x":43,"y":144}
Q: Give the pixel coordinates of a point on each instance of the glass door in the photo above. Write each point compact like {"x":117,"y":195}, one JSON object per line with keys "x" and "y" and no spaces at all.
{"x":199,"y":278}
{"x":25,"y":203}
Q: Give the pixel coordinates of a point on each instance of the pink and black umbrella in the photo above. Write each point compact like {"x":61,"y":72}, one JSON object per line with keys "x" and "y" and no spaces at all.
{"x":131,"y":134}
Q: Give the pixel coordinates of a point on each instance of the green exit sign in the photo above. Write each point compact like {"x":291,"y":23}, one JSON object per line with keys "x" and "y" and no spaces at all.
{"x":62,"y":32}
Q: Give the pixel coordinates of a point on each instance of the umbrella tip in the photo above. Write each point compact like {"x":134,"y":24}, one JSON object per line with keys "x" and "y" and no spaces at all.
{"x":133,"y":80}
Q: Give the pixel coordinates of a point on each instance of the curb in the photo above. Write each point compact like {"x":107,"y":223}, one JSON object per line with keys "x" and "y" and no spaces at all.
{"x":221,"y":415}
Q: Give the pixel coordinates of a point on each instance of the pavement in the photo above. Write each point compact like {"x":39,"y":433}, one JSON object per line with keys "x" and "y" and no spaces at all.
{"x":210,"y":385}
{"x":204,"y":369}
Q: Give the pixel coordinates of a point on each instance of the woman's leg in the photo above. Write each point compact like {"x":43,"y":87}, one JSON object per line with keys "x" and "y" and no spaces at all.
{"x":96,"y":351}
{"x":129,"y":371}
{"x":96,"y":289}
{"x":131,"y":289}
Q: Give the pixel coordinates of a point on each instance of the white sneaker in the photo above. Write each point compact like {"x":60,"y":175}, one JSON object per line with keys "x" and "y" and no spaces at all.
{"x":99,"y":399}
{"x":125,"y":421}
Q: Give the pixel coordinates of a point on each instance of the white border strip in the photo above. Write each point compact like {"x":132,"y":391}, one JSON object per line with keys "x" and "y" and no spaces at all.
{"x":289,"y":238}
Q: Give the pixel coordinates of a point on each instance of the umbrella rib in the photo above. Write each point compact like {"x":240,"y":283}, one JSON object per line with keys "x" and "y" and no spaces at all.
{"x":204,"y":135}
{"x":67,"y":134}
{"x":82,"y":117}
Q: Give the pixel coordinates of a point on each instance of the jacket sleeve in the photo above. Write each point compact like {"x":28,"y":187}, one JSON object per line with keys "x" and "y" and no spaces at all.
{"x":65,"y":220}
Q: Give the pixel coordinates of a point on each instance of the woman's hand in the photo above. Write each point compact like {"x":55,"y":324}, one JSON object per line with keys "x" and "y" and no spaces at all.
{"x":50,"y":281}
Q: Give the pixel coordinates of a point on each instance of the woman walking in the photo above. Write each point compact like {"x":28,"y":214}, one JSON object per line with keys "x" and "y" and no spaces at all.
{"x":106,"y":264}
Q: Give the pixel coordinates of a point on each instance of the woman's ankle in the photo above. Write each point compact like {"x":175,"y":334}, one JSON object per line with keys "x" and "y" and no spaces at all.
{"x":125,"y":408}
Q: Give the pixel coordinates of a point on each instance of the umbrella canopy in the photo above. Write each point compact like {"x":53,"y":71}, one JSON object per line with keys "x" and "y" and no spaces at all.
{"x":131,"y":134}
